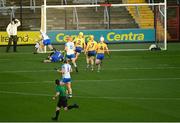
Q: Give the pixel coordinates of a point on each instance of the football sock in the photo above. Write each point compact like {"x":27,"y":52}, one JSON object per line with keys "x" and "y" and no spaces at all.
{"x":57,"y":114}
{"x":99,"y":67}
{"x":87,"y":66}
{"x":70,"y":95}
{"x":74,"y":64}
{"x":92,"y":67}
{"x":76,"y":69}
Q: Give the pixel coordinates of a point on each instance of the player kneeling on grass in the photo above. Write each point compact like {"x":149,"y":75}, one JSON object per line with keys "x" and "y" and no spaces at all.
{"x":46,"y":40}
{"x":61,"y":92}
{"x":101,"y":49}
{"x":90,"y":52}
{"x":66,"y":76}
{"x":55,"y":56}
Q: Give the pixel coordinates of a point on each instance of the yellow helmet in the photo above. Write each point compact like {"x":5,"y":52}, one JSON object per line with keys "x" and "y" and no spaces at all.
{"x":101,"y":39}
{"x":81,"y":33}
{"x":91,"y":36}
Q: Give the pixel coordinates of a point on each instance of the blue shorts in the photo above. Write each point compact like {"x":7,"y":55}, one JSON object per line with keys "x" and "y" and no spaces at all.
{"x":66,"y":80}
{"x":70,"y":56}
{"x":91,"y":53}
{"x":78,"y":49}
{"x":100,"y":56}
{"x":47,"y":42}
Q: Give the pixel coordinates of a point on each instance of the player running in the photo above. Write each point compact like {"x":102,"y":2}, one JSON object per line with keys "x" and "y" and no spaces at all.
{"x":90,"y":52}
{"x":79,"y":44}
{"x":46,"y":40}
{"x":70,"y":51}
{"x":55,"y":56}
{"x":66,"y":76}
{"x":101,"y":49}
{"x":62,"y":102}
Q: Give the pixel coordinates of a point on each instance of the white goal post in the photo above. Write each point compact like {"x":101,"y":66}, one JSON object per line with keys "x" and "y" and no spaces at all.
{"x":159,"y":27}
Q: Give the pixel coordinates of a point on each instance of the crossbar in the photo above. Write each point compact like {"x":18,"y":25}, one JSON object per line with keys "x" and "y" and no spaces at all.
{"x":113,"y":5}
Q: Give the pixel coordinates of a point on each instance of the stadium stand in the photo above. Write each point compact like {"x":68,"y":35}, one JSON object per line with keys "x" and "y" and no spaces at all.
{"x":144,"y":16}
{"x":119,"y":17}
{"x":31,"y":19}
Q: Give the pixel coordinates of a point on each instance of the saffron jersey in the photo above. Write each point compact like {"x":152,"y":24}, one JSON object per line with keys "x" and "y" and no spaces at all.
{"x":91,"y":46}
{"x":79,"y":42}
{"x":101,"y":48}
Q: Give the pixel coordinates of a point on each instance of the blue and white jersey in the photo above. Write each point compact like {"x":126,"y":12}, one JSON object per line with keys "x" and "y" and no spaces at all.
{"x":44,"y":36}
{"x":66,"y":68}
{"x":70,"y":48}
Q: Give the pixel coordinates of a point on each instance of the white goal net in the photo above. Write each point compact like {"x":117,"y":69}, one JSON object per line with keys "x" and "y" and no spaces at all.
{"x":124,"y":26}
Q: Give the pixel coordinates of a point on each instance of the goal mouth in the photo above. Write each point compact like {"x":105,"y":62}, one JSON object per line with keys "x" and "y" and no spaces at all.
{"x":126,"y":27}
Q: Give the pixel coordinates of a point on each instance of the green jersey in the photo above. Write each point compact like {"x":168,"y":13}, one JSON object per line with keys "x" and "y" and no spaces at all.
{"x":61,"y":90}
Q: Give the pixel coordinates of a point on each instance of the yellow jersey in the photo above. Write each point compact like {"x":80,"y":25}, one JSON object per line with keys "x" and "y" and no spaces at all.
{"x":79,"y":42}
{"x":91,"y":46}
{"x":101,"y":48}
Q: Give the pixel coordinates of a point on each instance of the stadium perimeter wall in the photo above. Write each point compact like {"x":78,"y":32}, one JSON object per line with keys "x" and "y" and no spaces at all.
{"x":111,"y":36}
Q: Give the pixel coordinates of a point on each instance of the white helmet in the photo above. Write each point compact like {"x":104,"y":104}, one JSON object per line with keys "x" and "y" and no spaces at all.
{"x":101,"y":38}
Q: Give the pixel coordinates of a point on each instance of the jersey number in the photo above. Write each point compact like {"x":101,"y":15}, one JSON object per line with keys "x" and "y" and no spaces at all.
{"x":79,"y":42}
{"x":101,"y":48}
{"x":92,"y":45}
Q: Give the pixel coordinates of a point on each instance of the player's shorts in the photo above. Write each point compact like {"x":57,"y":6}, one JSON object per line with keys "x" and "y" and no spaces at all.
{"x":91,"y":53}
{"x":78,"y":49}
{"x":70,"y":56}
{"x":62,"y":102}
{"x":100,"y":56}
{"x":66,"y":80}
{"x":47,"y":42}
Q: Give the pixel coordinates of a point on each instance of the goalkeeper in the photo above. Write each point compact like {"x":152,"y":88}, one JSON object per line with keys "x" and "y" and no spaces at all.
{"x":55,"y":56}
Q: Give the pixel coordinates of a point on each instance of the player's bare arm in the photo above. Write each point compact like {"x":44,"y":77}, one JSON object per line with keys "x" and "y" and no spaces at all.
{"x":56,"y":95}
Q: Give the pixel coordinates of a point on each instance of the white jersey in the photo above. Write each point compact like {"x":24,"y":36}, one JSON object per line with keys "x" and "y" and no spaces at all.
{"x":44,"y":36}
{"x":70,"y":48}
{"x":66,"y":68}
{"x":12,"y":28}
{"x":37,"y":45}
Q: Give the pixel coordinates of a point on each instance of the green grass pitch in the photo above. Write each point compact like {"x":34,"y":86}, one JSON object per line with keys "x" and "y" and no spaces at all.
{"x":133,"y":86}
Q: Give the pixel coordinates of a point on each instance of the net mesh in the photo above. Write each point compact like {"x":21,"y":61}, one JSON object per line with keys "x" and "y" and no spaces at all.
{"x":120,"y":24}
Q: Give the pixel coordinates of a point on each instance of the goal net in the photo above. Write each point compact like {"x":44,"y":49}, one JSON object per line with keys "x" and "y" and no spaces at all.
{"x":124,"y":26}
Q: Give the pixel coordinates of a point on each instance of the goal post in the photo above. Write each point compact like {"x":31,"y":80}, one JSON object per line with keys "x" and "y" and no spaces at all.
{"x":125,"y":27}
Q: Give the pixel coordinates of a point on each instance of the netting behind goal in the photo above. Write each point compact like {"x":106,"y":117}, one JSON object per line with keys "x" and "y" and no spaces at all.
{"x":124,"y":26}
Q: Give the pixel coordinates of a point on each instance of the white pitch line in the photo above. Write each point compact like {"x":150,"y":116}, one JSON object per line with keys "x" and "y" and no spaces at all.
{"x":120,"y":68}
{"x":98,"y":80}
{"x":92,"y":97}
{"x":26,"y":71}
{"x":4,"y":59}
{"x":23,"y":93}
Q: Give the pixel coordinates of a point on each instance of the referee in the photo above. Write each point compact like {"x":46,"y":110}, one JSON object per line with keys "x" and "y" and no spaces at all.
{"x":61,"y":92}
{"x":12,"y":33}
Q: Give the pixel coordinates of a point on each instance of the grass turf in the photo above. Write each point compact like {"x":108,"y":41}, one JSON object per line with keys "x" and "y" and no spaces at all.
{"x":133,"y":86}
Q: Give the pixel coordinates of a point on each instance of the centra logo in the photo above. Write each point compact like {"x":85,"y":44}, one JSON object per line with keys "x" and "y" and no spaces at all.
{"x":112,"y":36}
